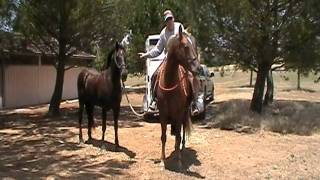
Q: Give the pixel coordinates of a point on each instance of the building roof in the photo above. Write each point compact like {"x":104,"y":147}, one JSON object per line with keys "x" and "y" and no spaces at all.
{"x":15,"y":43}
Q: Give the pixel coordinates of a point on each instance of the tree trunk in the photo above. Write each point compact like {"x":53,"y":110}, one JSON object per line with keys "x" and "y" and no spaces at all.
{"x":298,"y":81}
{"x":268,"y":98}
{"x":251,"y":74}
{"x":54,"y":108}
{"x":257,"y":98}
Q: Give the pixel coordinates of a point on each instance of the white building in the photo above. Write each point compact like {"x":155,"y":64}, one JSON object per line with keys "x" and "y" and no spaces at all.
{"x":28,"y":78}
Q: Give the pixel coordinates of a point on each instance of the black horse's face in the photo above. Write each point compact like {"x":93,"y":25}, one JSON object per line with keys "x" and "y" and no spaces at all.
{"x":120,"y":61}
{"x":188,"y":53}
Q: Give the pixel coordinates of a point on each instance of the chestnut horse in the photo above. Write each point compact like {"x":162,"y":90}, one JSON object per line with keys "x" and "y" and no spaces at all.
{"x":174,"y":90}
{"x":104,"y":90}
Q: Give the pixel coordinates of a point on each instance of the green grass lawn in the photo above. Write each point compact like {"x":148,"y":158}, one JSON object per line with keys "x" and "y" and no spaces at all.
{"x":282,"y":80}
{"x":135,"y":80}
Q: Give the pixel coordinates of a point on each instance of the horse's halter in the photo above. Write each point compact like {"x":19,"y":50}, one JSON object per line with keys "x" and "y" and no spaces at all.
{"x":119,"y":66}
{"x":190,"y":59}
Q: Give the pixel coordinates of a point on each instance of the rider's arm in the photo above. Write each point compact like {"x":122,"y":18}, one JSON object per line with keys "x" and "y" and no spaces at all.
{"x":157,"y":50}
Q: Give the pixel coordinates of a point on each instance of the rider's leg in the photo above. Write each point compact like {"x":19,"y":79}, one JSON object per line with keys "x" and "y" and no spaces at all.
{"x":195,"y":87}
{"x":153,"y":90}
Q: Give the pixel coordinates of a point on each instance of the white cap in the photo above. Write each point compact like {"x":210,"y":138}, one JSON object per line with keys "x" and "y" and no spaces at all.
{"x":167,"y":14}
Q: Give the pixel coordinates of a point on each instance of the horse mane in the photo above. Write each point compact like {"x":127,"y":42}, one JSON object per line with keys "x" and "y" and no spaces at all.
{"x":110,"y":55}
{"x":109,"y":58}
{"x":174,"y":40}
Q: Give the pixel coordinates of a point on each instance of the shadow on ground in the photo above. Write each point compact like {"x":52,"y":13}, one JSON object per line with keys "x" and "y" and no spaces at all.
{"x":302,"y":89}
{"x":286,"y":117}
{"x":104,"y":145}
{"x":31,"y":146}
{"x":189,"y":158}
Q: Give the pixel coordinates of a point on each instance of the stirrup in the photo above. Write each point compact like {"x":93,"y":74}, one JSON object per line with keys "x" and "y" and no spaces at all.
{"x":195,"y":110}
{"x":152,"y":106}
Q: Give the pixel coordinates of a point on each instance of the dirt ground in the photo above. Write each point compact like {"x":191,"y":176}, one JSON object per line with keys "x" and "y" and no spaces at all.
{"x":231,"y":143}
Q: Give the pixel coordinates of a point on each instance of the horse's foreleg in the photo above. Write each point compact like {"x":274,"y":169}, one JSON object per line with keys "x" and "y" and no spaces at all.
{"x":178,"y":142}
{"x":104,"y":121}
{"x":89,"y":109}
{"x":163,"y":139}
{"x":80,"y":121}
{"x":184,"y":126}
{"x":115,"y":119}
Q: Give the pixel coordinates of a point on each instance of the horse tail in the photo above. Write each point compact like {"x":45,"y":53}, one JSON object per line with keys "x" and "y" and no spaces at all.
{"x":80,"y":82}
{"x":188,"y":126}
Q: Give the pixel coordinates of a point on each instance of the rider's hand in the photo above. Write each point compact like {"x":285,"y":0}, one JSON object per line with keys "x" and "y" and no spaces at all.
{"x":142,"y":55}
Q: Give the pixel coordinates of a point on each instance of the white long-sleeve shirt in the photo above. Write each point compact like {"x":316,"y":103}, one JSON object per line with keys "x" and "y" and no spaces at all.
{"x":164,"y":37}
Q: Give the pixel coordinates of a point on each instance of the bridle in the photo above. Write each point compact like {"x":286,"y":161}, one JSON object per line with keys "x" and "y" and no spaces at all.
{"x":119,"y":66}
{"x":189,"y":59}
{"x":161,"y":74}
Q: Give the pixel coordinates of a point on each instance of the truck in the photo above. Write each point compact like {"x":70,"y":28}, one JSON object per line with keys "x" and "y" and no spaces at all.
{"x":152,"y":64}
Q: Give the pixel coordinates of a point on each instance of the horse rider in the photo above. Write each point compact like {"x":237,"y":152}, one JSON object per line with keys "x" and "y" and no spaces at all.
{"x":171,"y":28}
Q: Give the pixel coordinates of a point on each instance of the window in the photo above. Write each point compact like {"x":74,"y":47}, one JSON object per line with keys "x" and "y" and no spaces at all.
{"x":202,"y":71}
{"x":153,"y":42}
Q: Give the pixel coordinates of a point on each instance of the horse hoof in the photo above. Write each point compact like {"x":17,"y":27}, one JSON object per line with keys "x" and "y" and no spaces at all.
{"x":103,"y":147}
{"x":180,"y":167}
{"x":116,"y":148}
{"x":89,"y":141}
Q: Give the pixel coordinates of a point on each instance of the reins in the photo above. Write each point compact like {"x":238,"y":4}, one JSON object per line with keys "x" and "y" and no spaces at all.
{"x":130,"y":105}
{"x":176,"y":85}
{"x":119,"y":66}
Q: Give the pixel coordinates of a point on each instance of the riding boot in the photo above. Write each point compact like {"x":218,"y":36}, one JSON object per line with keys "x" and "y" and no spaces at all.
{"x":154,"y":78}
{"x":196,"y":103}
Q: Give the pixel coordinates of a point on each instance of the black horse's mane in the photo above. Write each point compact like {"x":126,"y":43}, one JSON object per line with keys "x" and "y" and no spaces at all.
{"x":110,"y":56}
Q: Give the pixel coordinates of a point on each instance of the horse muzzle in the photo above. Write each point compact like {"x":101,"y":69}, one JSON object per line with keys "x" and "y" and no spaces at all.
{"x":124,"y":74}
{"x":195,"y":67}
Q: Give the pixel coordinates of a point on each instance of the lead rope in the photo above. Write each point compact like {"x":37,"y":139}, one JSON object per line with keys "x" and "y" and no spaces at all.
{"x":131,"y":107}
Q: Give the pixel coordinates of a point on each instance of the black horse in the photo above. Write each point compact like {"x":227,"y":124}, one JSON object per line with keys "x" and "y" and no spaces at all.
{"x":104,"y":90}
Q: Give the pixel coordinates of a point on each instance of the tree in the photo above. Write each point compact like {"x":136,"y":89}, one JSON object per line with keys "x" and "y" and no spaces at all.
{"x":303,"y":46}
{"x":255,"y":35}
{"x":62,"y":28}
{"x":7,"y":14}
{"x":145,"y":17}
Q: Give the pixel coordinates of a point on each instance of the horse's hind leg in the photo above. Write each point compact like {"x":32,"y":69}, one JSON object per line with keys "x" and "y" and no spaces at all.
{"x":115,"y":119}
{"x":184,"y":136}
{"x":81,"y":105}
{"x":104,"y":121}
{"x":89,"y":109}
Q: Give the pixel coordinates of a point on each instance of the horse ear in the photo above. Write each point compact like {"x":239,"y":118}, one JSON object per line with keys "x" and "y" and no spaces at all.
{"x":180,"y":32}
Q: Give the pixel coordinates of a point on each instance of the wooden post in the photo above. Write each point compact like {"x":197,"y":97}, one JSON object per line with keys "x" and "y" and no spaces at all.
{"x":298,"y":83}
{"x":251,"y":74}
{"x":38,"y":78}
{"x":2,"y":83}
